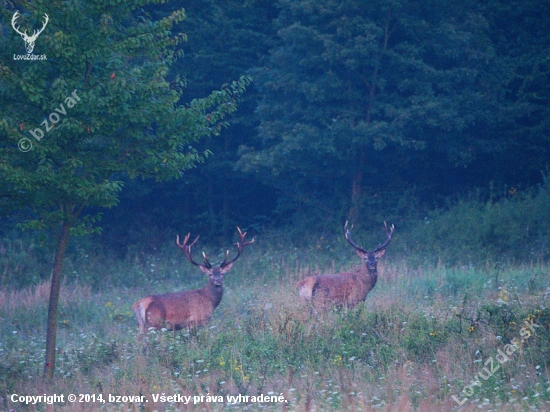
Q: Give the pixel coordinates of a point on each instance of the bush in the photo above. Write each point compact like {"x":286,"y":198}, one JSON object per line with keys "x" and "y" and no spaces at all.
{"x":472,"y":231}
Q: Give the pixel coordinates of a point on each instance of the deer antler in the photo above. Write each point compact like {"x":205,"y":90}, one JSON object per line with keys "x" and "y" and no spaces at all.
{"x":240,"y":246}
{"x":389,"y":235}
{"x":29,"y":40}
{"x":36,"y":33}
{"x":187,"y":251}
{"x":348,"y":237}
{"x":13,"y":19}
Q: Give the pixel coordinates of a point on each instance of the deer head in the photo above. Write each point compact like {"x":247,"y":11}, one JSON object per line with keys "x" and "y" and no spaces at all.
{"x":29,"y":40}
{"x":370,"y":258}
{"x":215,"y":273}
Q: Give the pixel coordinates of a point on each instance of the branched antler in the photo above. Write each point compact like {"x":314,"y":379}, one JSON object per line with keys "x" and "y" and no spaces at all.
{"x":187,"y":250}
{"x":389,"y":234}
{"x":240,"y":246}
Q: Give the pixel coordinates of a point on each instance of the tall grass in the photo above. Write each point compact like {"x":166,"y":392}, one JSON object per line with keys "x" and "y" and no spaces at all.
{"x":419,"y":338}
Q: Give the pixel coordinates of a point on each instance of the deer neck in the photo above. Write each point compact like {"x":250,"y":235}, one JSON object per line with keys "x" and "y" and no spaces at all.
{"x":370,"y":277}
{"x":214,"y":293}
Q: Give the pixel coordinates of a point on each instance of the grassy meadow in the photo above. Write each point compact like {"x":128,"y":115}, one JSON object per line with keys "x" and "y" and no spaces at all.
{"x":424,"y":334}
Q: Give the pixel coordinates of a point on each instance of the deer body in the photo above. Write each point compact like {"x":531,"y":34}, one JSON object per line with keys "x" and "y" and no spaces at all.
{"x":175,"y":311}
{"x":348,"y":288}
{"x":343,"y":289}
{"x":190,"y":308}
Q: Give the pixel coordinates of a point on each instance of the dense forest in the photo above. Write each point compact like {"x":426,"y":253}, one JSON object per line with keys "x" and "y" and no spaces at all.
{"x":363,"y":111}
{"x":367,"y":111}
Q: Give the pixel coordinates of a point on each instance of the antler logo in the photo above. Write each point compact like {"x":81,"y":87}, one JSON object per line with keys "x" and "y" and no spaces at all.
{"x":29,"y":40}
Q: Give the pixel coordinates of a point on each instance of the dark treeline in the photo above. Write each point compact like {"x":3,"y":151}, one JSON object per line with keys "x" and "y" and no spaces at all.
{"x":360,"y":110}
{"x":368,"y":111}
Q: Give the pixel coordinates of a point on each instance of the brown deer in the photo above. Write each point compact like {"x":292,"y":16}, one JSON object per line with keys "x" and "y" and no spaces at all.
{"x":348,"y":288}
{"x":190,"y":308}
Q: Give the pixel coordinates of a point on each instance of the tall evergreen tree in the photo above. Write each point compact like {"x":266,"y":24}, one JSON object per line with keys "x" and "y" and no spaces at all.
{"x":520,"y":35}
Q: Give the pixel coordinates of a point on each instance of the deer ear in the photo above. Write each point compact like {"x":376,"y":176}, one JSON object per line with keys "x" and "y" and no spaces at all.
{"x":226,"y":268}
{"x":205,"y":270}
{"x":380,"y":253}
{"x":362,"y":255}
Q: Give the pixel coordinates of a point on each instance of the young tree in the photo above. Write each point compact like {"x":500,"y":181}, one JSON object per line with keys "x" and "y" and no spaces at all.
{"x":99,"y":108}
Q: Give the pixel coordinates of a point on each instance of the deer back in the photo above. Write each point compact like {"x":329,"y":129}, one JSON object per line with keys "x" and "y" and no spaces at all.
{"x":341,"y":289}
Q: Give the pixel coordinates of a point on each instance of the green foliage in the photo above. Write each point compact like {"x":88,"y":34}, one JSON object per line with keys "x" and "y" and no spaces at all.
{"x":466,"y":90}
{"x":377,"y":111}
{"x":512,"y":227}
{"x":226,"y":39}
{"x":23,"y":260}
{"x":353,"y":90}
{"x":121,"y":118}
{"x":126,"y":120}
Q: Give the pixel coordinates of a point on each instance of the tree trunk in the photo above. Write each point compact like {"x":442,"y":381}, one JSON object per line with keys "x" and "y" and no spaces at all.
{"x":356,"y":184}
{"x":225,"y":194}
{"x":357,"y":180}
{"x":210,"y":200}
{"x":51,"y":331}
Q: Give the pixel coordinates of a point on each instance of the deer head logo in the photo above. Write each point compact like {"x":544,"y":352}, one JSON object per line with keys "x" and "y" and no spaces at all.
{"x":29,"y":40}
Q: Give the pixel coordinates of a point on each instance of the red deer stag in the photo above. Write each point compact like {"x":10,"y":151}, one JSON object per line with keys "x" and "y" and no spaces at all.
{"x":189,"y":308}
{"x":349,"y":288}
